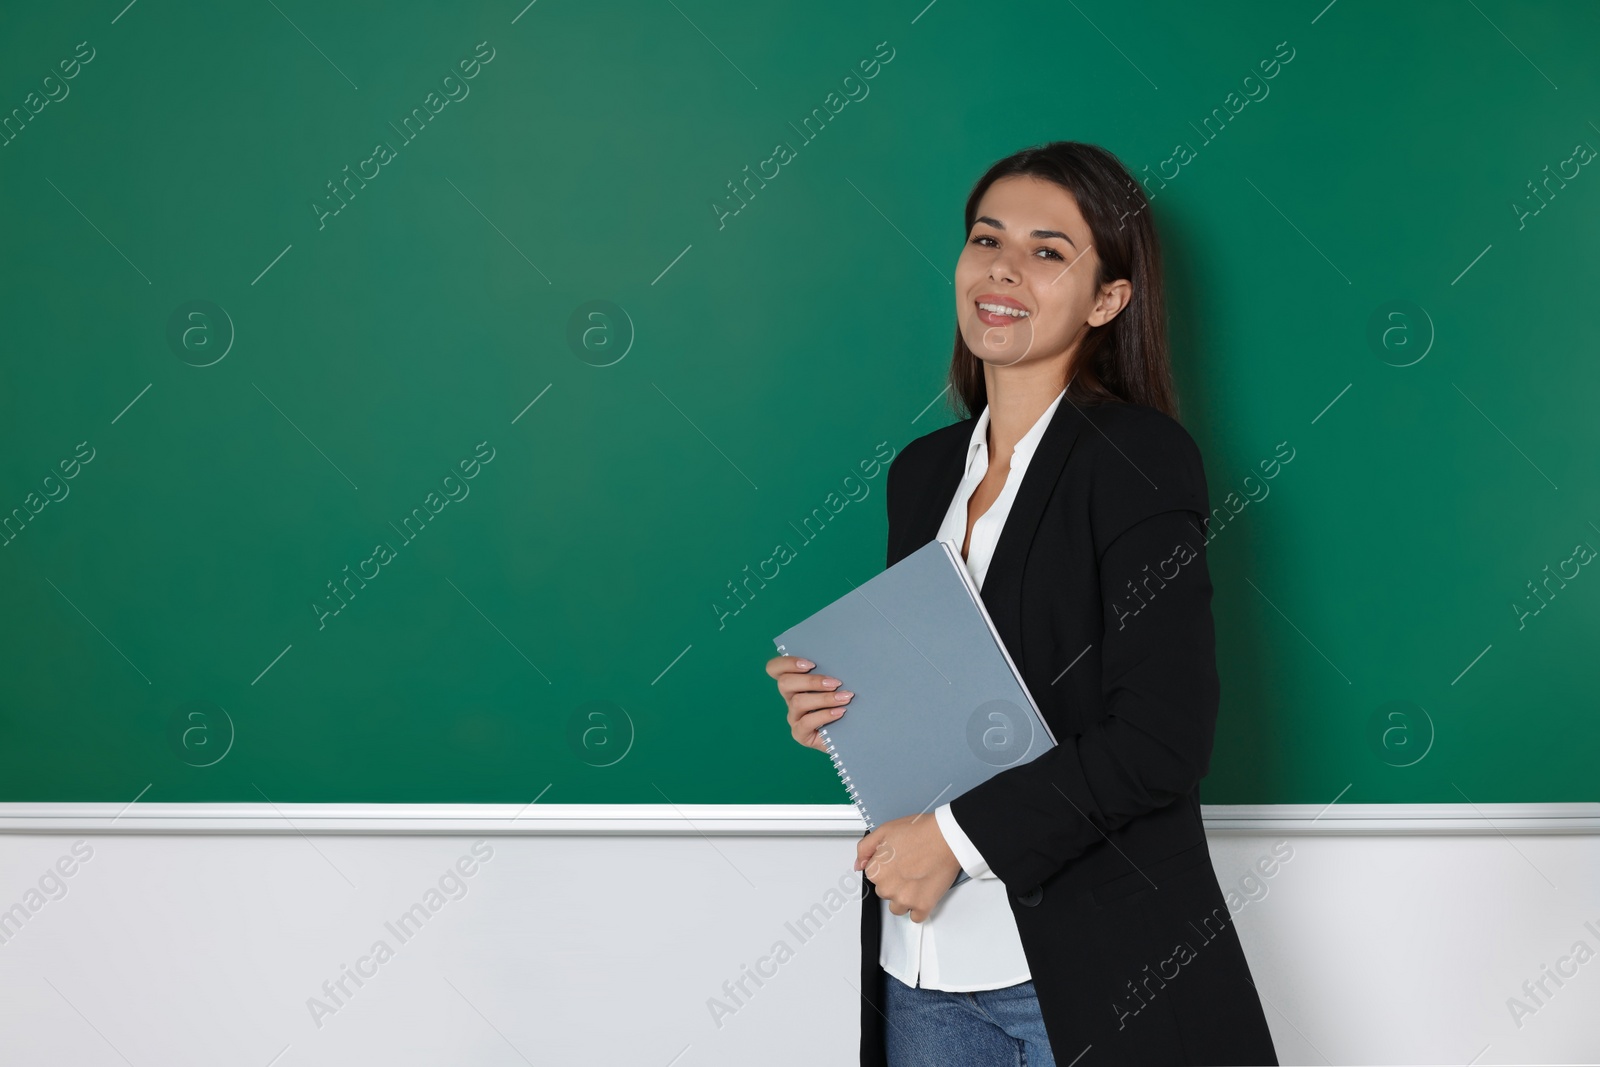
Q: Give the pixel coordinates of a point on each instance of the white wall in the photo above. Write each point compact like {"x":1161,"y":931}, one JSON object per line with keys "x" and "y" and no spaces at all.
{"x":195,"y":934}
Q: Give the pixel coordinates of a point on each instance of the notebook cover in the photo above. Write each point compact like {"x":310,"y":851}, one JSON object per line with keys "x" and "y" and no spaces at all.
{"x":939,"y":706}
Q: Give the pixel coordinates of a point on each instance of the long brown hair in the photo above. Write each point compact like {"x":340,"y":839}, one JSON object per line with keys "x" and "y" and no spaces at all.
{"x":1125,"y":359}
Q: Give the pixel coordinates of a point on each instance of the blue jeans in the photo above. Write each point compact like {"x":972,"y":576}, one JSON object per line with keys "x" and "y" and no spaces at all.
{"x":984,"y":1028}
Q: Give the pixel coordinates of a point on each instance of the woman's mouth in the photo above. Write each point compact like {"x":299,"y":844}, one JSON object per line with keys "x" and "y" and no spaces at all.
{"x":996,"y":314}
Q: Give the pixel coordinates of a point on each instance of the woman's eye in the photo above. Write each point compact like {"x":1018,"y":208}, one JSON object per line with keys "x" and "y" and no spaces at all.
{"x":987,"y":241}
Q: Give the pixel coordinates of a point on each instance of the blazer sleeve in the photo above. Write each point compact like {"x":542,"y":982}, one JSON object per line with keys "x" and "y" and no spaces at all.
{"x":1159,"y":684}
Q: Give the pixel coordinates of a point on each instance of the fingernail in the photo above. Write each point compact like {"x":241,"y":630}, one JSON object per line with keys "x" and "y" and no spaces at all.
{"x":804,"y":664}
{"x":843,"y":694}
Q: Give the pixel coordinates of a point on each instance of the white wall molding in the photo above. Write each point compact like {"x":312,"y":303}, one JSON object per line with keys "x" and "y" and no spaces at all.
{"x":194,"y":934}
{"x":734,"y":819}
{"x":1413,"y":819}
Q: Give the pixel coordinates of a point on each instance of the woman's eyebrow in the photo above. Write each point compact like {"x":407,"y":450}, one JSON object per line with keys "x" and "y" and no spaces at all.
{"x":997,"y":224}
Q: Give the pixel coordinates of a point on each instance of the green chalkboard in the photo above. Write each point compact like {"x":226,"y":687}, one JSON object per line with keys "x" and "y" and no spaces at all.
{"x":394,"y":400}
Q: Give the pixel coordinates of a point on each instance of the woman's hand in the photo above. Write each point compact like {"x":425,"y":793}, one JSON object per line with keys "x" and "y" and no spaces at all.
{"x":909,"y":863}
{"x":814,"y":700}
{"x":908,"y":859}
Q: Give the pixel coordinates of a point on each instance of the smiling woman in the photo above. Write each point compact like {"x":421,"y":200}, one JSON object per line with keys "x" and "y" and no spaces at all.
{"x":1076,"y":500}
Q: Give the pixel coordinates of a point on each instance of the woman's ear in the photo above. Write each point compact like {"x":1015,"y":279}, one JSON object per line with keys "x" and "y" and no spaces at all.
{"x":1114,"y":296}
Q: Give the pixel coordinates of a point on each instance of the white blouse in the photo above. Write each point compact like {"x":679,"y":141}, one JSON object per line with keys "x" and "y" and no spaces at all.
{"x":970,"y":939}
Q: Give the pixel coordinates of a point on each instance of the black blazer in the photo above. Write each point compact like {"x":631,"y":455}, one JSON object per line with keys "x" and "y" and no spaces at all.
{"x":1099,"y":588}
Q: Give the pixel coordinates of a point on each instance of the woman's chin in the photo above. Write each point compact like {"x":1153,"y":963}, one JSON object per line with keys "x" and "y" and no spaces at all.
{"x":1001,"y":346}
{"x":994,"y":356}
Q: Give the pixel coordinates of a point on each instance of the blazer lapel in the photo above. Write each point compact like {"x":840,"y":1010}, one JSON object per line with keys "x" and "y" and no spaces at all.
{"x":1002,"y":584}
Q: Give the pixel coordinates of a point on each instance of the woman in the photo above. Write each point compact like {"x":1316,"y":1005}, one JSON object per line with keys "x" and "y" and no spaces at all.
{"x":1093,"y":929}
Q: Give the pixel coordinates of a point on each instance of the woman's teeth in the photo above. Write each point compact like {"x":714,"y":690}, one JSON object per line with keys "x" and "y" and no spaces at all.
{"x":1003,"y":309}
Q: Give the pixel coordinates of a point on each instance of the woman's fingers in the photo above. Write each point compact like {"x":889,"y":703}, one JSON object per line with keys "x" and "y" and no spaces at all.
{"x":813,"y":700}
{"x":822,"y":716}
{"x":805,"y":726}
{"x":784,"y":664}
{"x":802,"y":703}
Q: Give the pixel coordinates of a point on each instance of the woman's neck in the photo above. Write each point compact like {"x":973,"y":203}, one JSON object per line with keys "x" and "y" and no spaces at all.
{"x":1015,"y":405}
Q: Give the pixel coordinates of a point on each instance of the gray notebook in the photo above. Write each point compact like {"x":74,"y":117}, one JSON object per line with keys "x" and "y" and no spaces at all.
{"x":939,"y":706}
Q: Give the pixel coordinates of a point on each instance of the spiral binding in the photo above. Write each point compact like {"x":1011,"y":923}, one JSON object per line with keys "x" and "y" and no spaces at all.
{"x":855,"y":798}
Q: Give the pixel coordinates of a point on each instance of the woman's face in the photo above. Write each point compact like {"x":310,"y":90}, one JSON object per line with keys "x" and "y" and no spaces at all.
{"x":1030,"y":250}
